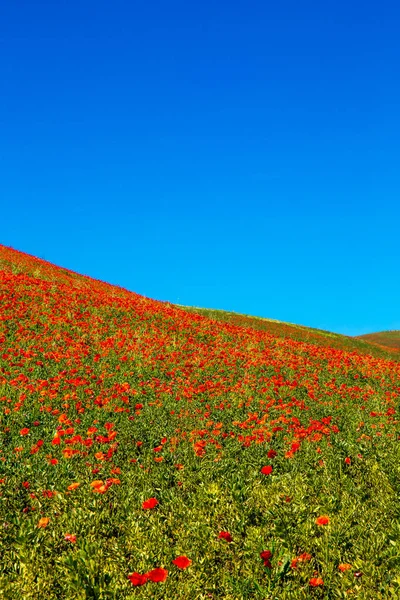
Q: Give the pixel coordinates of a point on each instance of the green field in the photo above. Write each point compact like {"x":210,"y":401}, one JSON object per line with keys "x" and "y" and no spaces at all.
{"x":154,"y":452}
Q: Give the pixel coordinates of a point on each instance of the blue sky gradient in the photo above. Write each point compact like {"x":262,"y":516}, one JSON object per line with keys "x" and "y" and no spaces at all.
{"x":236,"y":155}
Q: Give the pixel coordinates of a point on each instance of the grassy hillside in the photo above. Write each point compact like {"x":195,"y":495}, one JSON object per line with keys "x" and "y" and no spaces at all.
{"x":390,"y":339}
{"x":151,"y":452}
{"x":362,"y":344}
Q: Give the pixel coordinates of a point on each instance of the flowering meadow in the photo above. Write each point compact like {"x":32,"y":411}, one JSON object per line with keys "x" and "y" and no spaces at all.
{"x":151,"y":452}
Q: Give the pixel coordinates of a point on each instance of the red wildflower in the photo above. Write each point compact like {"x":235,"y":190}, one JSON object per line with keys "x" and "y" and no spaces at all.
{"x":157,"y":575}
{"x":344,"y":567}
{"x":266,"y":555}
{"x":267,"y":470}
{"x":99,"y":486}
{"x":322,"y":520}
{"x":272,"y":453}
{"x":24,"y":431}
{"x":73,"y":486}
{"x":225,"y":535}
{"x":48,"y":493}
{"x":137,"y":579}
{"x":316,"y":581}
{"x":347,"y":460}
{"x":150,"y":503}
{"x":70,"y":537}
{"x":182,"y":562}
{"x":305,"y":557}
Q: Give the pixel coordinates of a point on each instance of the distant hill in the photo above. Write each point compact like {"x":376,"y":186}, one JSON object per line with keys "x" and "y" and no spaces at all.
{"x":389,"y":339}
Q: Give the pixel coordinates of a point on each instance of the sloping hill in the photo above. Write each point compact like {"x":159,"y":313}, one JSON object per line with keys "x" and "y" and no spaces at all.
{"x":362,"y":344}
{"x":389,"y":339}
{"x":148,"y":451}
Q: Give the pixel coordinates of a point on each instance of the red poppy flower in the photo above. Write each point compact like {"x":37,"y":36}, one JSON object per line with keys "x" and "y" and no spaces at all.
{"x":182,"y":562}
{"x":322,"y":520}
{"x":73,"y":486}
{"x":294,"y":562}
{"x":225,"y":535}
{"x":24,"y":431}
{"x":70,"y":537}
{"x":305,"y":557}
{"x":157,"y":575}
{"x":267,"y":470}
{"x":266,"y":555}
{"x":150,"y":503}
{"x":272,"y":453}
{"x":344,"y":567}
{"x":137,"y":579}
{"x":316,"y":581}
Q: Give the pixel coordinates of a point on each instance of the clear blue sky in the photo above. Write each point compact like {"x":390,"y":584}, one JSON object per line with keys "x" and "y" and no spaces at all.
{"x":229,"y":154}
